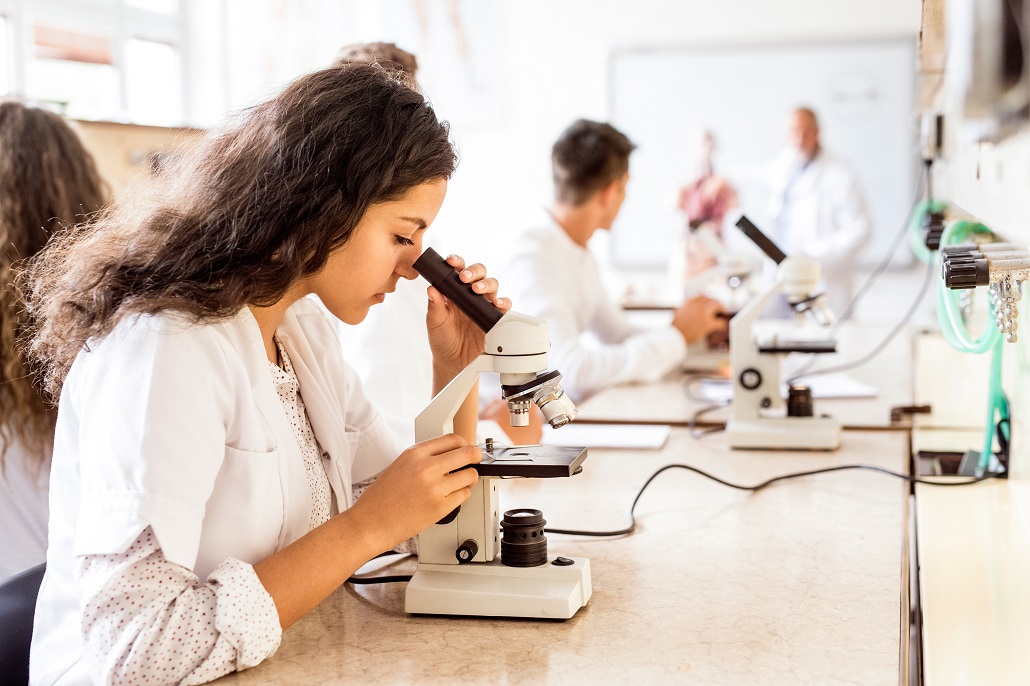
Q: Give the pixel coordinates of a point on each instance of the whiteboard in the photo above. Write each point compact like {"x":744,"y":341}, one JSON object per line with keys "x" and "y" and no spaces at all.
{"x":862,"y":91}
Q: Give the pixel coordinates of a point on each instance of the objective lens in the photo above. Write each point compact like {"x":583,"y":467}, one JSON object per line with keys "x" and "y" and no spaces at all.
{"x":558,"y":409}
{"x":518,"y":412}
{"x":523,"y":543}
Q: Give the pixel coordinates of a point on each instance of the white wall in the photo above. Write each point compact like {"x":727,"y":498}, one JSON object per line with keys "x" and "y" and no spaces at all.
{"x":555,"y":69}
{"x":546,"y":62}
{"x":990,"y":181}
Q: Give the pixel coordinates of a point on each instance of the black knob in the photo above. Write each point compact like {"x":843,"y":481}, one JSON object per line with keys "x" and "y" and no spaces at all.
{"x":962,"y":274}
{"x":958,"y":248}
{"x":466,"y":551}
{"x":948,"y":262}
{"x":799,"y":401}
{"x":933,"y":229}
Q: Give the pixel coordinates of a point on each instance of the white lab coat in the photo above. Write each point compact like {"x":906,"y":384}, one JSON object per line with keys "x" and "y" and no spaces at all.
{"x":823,"y":216}
{"x":593,"y":344}
{"x":179,"y":427}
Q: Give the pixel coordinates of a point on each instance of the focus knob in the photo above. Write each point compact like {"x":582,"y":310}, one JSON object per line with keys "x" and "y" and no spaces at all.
{"x":466,"y":551}
{"x":751,"y":378}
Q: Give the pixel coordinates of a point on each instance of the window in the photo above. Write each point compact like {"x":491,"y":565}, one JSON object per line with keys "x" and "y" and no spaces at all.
{"x":117,"y":60}
{"x":72,"y":71}
{"x":162,"y":6}
{"x":5,"y":61}
{"x":153,"y":83}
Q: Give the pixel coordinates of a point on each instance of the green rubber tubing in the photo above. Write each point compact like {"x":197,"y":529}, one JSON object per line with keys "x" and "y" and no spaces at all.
{"x":997,"y":408}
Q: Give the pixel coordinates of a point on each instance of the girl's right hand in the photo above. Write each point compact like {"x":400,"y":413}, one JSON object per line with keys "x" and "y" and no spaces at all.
{"x":418,"y":490}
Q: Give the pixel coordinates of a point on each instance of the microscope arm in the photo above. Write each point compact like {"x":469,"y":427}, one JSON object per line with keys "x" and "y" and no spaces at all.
{"x":753,"y":371}
{"x":437,"y":419}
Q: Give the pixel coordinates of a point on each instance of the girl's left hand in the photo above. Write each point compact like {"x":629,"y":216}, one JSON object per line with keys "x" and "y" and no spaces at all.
{"x":453,"y":338}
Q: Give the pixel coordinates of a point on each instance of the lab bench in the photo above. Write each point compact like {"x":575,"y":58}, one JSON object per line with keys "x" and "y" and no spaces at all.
{"x":801,"y":583}
{"x":806,"y":582}
{"x":972,"y":556}
{"x":974,"y":581}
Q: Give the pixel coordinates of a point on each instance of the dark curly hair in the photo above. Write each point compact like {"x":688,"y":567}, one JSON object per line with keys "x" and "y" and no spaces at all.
{"x":47,"y":180}
{"x":243,"y":215}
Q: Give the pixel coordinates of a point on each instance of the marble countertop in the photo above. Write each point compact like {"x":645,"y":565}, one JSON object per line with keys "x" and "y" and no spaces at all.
{"x":800,"y":583}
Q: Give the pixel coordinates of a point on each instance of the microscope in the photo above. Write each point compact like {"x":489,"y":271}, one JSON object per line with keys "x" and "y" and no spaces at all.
{"x":761,"y":418}
{"x":465,"y":565}
{"x":729,"y":275}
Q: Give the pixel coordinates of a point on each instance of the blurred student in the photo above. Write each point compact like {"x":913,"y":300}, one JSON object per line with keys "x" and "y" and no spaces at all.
{"x":390,"y":348}
{"x":553,"y":275}
{"x":47,"y":180}
{"x":217,"y":470}
{"x":396,"y":61}
{"x":817,"y":207}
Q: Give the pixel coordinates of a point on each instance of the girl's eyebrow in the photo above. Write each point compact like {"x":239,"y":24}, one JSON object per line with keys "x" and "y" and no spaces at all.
{"x":417,"y":221}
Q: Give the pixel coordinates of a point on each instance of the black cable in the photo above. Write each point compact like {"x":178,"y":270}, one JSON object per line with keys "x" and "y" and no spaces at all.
{"x":692,"y":425}
{"x":757,"y":487}
{"x":931,"y":269}
{"x":365,"y":580}
{"x":885,"y":261}
{"x":381,"y":579}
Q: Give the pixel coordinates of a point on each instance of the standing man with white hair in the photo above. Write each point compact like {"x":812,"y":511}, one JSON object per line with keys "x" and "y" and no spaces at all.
{"x":817,"y":207}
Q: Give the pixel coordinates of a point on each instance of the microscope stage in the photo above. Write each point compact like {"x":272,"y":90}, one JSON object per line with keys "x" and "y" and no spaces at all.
{"x":536,"y":461}
{"x":801,"y":346}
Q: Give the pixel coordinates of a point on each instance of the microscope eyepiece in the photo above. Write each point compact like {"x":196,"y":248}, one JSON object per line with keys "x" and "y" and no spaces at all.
{"x":445,"y":278}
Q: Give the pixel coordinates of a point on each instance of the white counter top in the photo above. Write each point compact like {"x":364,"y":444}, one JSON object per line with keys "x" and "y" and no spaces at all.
{"x":974,"y":557}
{"x":801,"y":583}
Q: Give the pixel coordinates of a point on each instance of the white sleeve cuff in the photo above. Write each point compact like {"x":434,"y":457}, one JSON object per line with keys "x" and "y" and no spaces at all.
{"x":245,"y":614}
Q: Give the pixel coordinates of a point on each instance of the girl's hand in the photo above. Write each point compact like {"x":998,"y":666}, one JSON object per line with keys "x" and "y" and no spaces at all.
{"x":417,"y":490}
{"x":453,"y":338}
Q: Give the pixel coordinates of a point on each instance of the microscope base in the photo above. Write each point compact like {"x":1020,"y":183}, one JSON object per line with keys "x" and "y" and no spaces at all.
{"x":489,"y":589}
{"x":784,"y":433}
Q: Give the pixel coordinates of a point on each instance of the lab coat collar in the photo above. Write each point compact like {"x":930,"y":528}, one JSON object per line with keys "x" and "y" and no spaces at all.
{"x":323,"y":409}
{"x":296,"y":493}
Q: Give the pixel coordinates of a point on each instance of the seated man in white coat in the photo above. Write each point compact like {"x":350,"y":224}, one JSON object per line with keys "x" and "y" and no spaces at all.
{"x":554,"y":276}
{"x":817,"y":208}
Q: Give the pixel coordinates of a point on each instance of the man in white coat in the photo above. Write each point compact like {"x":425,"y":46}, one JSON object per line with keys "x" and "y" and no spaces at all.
{"x":553,"y":275}
{"x":817,"y":208}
